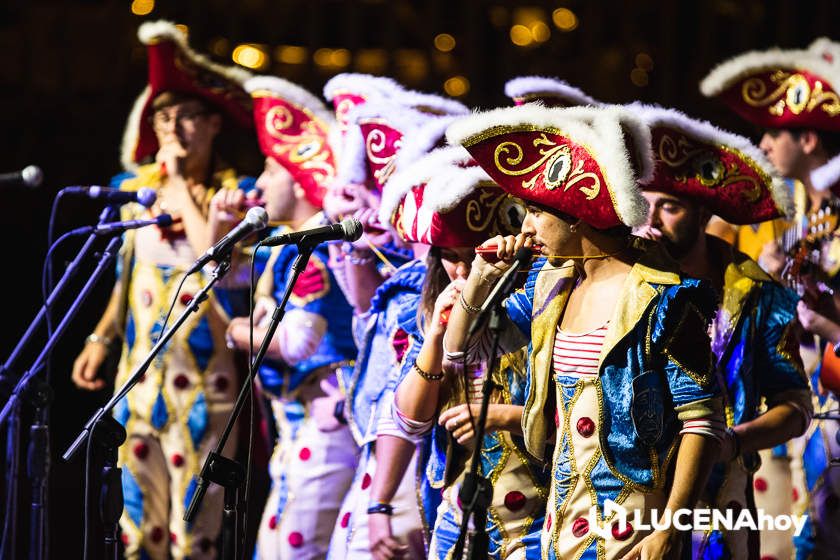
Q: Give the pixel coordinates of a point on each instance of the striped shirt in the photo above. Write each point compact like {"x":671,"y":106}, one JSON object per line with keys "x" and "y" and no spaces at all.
{"x":577,"y":355}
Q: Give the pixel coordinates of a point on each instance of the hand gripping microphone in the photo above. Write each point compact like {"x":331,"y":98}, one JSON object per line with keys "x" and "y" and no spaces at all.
{"x":349,"y":229}
{"x":255,"y":220}
{"x":502,"y":288}
{"x":144,"y":196}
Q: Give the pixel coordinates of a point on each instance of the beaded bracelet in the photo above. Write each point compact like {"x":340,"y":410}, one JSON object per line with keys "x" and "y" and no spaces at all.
{"x":467,"y":307}
{"x":379,"y":507}
{"x":426,"y":375}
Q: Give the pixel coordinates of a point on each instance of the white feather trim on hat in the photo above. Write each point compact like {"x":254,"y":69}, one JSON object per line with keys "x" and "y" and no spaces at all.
{"x":609,"y":132}
{"x":436,"y":163}
{"x":526,"y":86}
{"x":423,"y":139}
{"x":431,"y":103}
{"x":827,"y":175}
{"x":292,"y":93}
{"x":352,"y":164}
{"x":705,"y":131}
{"x":361,"y":84}
{"x":829,"y":50}
{"x":131,"y":134}
{"x":726,"y":73}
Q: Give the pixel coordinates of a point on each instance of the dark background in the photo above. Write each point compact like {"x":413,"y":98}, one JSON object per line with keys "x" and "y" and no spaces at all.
{"x":70,"y":71}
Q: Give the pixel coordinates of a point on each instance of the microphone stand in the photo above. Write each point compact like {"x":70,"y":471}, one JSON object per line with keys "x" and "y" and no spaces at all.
{"x":228,"y":473}
{"x":111,"y":496}
{"x":476,"y":492}
{"x":41,"y":396}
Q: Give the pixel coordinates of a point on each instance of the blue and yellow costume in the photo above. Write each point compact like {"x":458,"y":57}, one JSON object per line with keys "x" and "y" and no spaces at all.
{"x":310,"y":470}
{"x":174,"y":415}
{"x":654,"y":345}
{"x":757,"y":348}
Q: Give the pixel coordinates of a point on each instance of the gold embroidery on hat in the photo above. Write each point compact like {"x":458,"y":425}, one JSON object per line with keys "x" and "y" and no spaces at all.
{"x":792,"y":91}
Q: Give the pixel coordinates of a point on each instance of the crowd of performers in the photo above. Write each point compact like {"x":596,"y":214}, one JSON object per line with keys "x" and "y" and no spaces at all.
{"x":668,"y":347}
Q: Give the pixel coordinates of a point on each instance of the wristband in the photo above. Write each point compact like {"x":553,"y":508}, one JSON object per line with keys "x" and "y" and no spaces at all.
{"x":426,"y":375}
{"x":379,"y":507}
{"x":471,"y":309}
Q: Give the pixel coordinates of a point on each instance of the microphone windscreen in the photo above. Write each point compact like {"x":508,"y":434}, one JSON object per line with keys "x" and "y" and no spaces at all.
{"x":164,"y":220}
{"x":257,"y":216}
{"x":523,"y":255}
{"x":146,"y":196}
{"x":32,"y":176}
{"x":352,"y":229}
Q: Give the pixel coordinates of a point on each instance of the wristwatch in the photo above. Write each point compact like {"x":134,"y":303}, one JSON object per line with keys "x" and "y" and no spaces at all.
{"x":94,"y":338}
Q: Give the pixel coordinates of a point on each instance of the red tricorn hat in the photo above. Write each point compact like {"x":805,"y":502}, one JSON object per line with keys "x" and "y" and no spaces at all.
{"x":780,"y":88}
{"x":174,"y":67}
{"x":584,"y":161}
{"x":445,"y":199}
{"x":349,"y":90}
{"x":384,"y":135}
{"x":551,"y":92}
{"x":721,"y":170}
{"x":293,"y":128}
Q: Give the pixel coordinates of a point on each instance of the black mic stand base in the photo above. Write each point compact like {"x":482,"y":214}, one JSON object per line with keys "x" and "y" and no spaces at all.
{"x":108,"y":435}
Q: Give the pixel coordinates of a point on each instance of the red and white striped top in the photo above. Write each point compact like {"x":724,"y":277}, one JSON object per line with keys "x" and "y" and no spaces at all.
{"x":576,"y":355}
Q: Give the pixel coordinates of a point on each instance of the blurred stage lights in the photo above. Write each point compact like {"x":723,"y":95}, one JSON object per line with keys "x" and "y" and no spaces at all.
{"x":291,"y":54}
{"x":565,"y":19}
{"x":639,"y":74}
{"x":142,"y":7}
{"x":456,"y":86}
{"x":250,"y":56}
{"x":332,"y":58}
{"x":444,"y":42}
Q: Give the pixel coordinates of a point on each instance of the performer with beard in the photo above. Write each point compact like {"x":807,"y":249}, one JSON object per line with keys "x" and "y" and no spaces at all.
{"x":754,"y":335}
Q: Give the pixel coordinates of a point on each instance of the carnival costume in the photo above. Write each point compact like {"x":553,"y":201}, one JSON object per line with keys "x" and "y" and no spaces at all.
{"x":174,"y":415}
{"x":794,"y":89}
{"x":310,"y":469}
{"x":618,"y":423}
{"x":446,"y":200}
{"x":754,"y":335}
{"x":386,"y":129}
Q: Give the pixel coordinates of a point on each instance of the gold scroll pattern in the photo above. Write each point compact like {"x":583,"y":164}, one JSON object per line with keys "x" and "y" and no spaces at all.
{"x":375,"y":144}
{"x":305,"y":147}
{"x":494,"y":211}
{"x":792,"y":91}
{"x":703,"y":165}
{"x":558,"y":166}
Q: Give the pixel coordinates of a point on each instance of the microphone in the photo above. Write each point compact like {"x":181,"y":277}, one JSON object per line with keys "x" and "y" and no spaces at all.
{"x":164,"y":220}
{"x":488,"y":252}
{"x":350,"y":229}
{"x":502,"y":288}
{"x":255,"y":220}
{"x":30,"y":176}
{"x":144,"y":196}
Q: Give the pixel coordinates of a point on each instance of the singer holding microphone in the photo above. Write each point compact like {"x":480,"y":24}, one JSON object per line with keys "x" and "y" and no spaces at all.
{"x":619,"y":363}
{"x":174,"y":415}
{"x":315,"y":456}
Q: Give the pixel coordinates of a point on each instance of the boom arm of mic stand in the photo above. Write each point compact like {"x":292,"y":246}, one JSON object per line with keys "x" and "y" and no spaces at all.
{"x":108,"y":213}
{"x":217,"y":468}
{"x":220,"y":271}
{"x":108,"y":256}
